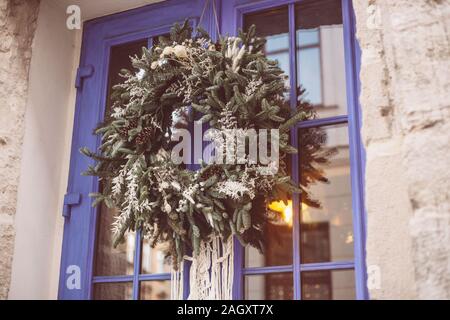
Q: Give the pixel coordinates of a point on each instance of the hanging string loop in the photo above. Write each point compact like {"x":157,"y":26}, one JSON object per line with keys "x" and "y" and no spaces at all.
{"x":216,"y":18}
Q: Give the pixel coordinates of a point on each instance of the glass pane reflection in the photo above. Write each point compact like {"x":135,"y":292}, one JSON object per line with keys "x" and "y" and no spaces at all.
{"x":276,"y":33}
{"x":326,"y":214}
{"x":155,"y":290}
{"x":278,"y":244}
{"x":277,"y":247}
{"x":110,"y":261}
{"x":277,"y":286}
{"x":320,"y":55}
{"x":153,"y":259}
{"x":120,"y":59}
{"x":113,"y":291}
{"x":328,"y":285}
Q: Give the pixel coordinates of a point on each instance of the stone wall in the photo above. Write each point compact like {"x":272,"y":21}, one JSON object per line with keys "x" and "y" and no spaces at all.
{"x":406,"y":131}
{"x":17,"y":26}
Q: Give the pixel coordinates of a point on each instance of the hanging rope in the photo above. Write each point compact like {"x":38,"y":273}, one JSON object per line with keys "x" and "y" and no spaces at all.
{"x":216,"y":18}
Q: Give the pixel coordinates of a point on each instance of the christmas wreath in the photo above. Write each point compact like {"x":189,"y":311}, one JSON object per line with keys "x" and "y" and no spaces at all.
{"x":229,"y":84}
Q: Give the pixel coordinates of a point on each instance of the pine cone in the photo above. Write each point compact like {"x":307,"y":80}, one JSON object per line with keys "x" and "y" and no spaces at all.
{"x":144,"y":135}
{"x":211,"y":171}
{"x":218,"y":46}
{"x":133,"y":123}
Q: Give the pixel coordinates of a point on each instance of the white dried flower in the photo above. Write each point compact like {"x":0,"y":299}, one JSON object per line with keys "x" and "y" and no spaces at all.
{"x":117,"y":182}
{"x":167,"y":208}
{"x":233,"y":189}
{"x":162,"y":62}
{"x":141,"y":74}
{"x":131,"y":202}
{"x":164,"y":185}
{"x":118,"y":113}
{"x":167,"y":52}
{"x":235,"y":53}
{"x":180,"y":51}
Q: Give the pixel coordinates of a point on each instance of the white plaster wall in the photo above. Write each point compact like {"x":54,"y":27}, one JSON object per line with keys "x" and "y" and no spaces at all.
{"x":45,"y":158}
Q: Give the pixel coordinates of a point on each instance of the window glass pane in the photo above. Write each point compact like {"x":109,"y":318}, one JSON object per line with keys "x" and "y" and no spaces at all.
{"x":278,"y":243}
{"x":120,"y":59}
{"x":155,"y":290}
{"x":326,"y":215}
{"x":328,"y":285}
{"x":277,"y":286}
{"x":276,"y":33}
{"x":307,"y":38}
{"x":320,"y":55}
{"x":277,"y":247}
{"x":111,"y":261}
{"x":113,"y":291}
{"x":310,"y":76}
{"x":153,"y":259}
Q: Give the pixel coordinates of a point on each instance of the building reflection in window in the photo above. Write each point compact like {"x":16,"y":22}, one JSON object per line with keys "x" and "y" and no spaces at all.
{"x":110,"y":260}
{"x":321,"y":56}
{"x":155,"y":290}
{"x":113,"y":291}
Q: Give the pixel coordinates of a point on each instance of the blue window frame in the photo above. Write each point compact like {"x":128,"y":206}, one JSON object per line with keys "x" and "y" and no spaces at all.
{"x":103,"y":34}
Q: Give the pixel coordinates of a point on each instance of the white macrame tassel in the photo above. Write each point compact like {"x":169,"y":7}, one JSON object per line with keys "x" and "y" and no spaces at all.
{"x":211,"y":272}
{"x":176,"y":283}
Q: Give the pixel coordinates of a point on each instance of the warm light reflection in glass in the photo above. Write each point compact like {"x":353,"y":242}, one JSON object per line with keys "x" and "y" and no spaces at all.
{"x":131,"y":241}
{"x":286,"y":211}
{"x":306,"y":215}
{"x":283,"y":209}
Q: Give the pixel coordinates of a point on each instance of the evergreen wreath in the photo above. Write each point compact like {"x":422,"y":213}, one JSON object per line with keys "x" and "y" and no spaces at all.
{"x":232,"y":85}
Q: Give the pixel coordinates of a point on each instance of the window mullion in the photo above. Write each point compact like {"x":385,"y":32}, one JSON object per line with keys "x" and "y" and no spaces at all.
{"x":321,"y":122}
{"x":238,"y":280}
{"x":137,"y":264}
{"x":112,"y":279}
{"x":295,"y":158}
{"x":328,"y":266}
{"x":267,"y":270}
